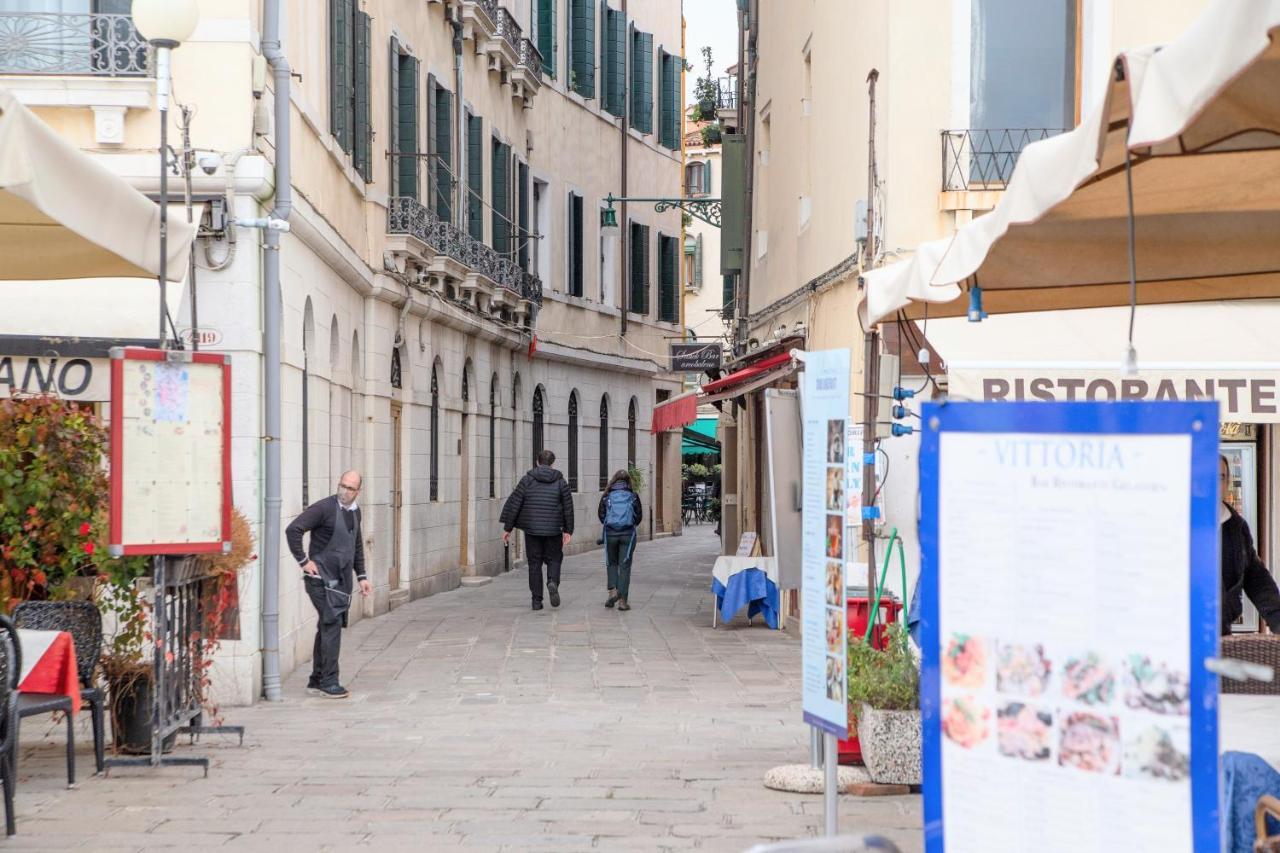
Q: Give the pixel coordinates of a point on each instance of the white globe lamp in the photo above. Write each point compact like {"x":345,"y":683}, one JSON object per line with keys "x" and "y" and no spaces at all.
{"x":166,"y":23}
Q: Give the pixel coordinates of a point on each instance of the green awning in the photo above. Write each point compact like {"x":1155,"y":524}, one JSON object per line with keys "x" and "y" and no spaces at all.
{"x":700,"y":437}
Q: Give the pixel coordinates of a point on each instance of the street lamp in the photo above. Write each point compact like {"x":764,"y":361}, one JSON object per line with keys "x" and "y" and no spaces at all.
{"x":166,"y":24}
{"x":609,"y":222}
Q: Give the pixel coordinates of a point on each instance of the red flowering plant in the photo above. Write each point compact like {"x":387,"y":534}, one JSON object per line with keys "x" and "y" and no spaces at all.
{"x":53,"y":500}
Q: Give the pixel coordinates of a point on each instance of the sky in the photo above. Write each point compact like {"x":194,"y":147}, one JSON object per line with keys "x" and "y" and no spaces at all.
{"x":714,"y":23}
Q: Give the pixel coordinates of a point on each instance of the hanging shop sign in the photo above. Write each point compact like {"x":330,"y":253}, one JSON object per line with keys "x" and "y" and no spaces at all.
{"x":824,"y":633}
{"x":696,"y":357}
{"x":1250,"y":395}
{"x":1070,"y":585}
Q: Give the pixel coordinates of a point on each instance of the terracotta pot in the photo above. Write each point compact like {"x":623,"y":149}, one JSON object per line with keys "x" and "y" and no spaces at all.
{"x":891,"y":745}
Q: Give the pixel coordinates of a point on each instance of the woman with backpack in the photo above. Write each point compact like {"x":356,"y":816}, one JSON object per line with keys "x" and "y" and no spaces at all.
{"x":620,"y":511}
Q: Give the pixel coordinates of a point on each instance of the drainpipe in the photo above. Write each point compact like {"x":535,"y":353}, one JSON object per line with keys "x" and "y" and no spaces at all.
{"x":624,"y":238}
{"x":460,"y":197}
{"x":747,"y":108}
{"x":273,"y":14}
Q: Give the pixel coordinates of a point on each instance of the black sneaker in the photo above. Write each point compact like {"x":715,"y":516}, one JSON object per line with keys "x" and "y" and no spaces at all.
{"x":553,"y":592}
{"x":334,"y":691}
{"x":537,"y":605}
{"x":313,"y":686}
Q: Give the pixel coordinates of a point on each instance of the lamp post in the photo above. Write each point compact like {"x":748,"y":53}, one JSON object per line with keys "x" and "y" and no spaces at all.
{"x":166,"y":24}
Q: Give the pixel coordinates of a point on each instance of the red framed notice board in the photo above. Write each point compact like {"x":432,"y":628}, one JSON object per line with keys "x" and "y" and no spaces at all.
{"x":170,"y":452}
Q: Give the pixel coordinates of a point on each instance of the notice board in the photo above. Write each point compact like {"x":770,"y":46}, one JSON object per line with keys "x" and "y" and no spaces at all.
{"x":1069,"y":599}
{"x":170,"y":452}
{"x":824,"y":634}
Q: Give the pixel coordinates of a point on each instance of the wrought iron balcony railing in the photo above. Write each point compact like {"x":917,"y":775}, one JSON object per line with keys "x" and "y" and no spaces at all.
{"x":508,"y":30}
{"x":727,"y":93}
{"x":985,"y":159}
{"x":530,"y":58}
{"x":72,"y":44}
{"x":410,"y":216}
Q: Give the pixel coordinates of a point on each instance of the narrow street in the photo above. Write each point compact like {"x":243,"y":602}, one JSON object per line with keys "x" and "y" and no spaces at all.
{"x":476,"y":723}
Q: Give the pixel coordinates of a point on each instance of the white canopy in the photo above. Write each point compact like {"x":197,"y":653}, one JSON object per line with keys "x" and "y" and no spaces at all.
{"x":1202,"y":120}
{"x":64,"y":215}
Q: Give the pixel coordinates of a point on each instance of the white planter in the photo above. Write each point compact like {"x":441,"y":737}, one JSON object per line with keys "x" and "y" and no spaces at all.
{"x":890,"y":745}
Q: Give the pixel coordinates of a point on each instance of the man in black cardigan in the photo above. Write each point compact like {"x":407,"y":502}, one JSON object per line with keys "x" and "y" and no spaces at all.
{"x":335,"y":549}
{"x":541,"y":506}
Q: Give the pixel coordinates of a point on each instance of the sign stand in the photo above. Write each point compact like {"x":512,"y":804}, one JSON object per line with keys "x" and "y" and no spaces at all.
{"x":171,"y":500}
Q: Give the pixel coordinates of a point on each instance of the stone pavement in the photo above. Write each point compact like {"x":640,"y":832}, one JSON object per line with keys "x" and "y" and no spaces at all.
{"x":478,"y":724}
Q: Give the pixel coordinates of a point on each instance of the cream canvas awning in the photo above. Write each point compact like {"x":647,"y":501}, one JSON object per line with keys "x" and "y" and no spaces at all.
{"x":1201,"y":120}
{"x":64,"y":215}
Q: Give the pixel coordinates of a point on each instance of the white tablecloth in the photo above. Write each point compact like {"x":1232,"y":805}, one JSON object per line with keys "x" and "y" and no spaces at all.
{"x":1250,"y":724}
{"x":727,"y":567}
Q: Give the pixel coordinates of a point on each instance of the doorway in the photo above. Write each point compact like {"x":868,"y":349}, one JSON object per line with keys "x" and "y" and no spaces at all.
{"x":397,"y":497}
{"x":464,"y":511}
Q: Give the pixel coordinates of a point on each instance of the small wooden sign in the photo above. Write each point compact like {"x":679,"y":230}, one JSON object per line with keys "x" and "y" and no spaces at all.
{"x":749,"y":545}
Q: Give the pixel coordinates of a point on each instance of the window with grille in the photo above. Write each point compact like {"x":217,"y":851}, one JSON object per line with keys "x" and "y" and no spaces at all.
{"x":538,"y":404}
{"x":632,"y":414}
{"x":575,"y":274}
{"x":435,"y":434}
{"x":573,"y":441}
{"x":604,"y":441}
{"x":493,"y":436}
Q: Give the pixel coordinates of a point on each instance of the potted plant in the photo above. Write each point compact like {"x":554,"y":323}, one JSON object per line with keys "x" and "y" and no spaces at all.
{"x":884,"y":699}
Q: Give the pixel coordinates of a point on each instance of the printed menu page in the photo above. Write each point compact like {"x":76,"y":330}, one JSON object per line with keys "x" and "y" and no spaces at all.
{"x":1065,"y":696}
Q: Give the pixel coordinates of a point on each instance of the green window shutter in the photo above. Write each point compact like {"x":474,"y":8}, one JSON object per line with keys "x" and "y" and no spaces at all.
{"x":614,"y":62}
{"x":727,"y":295}
{"x":522,"y":213}
{"x":340,"y":46}
{"x":642,"y":82}
{"x":501,"y":189}
{"x":697,"y":261}
{"x":733,"y":159}
{"x":644,"y":258}
{"x":547,"y":36}
{"x":433,"y":167}
{"x":606,"y":29}
{"x":408,"y":130}
{"x":576,"y":248}
{"x":444,"y":154}
{"x":582,"y":44}
{"x":363,"y":129}
{"x":667,"y":289}
{"x":475,"y":177}
{"x":706,"y":178}
{"x":393,"y":116}
{"x":666,"y":101}
{"x":639,"y":269}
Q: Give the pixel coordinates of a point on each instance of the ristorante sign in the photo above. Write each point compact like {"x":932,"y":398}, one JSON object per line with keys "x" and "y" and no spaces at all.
{"x":83,"y":379}
{"x":1250,"y":395}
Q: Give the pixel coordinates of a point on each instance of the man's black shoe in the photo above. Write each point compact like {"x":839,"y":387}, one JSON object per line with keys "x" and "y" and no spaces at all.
{"x":537,"y":605}
{"x":313,"y":686}
{"x":553,"y":591}
{"x":334,"y":691}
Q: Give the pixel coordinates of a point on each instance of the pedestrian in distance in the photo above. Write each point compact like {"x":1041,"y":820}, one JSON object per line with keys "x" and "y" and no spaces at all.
{"x":621,"y":513}
{"x":542,"y":506}
{"x":1243,"y":572}
{"x":335,"y":549}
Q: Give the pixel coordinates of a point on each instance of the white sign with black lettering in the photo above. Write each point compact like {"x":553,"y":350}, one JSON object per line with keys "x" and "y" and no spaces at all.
{"x":84,"y":379}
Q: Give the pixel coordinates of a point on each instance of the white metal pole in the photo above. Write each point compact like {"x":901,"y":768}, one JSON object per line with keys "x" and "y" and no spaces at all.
{"x":829,"y":789}
{"x":163,"y":55}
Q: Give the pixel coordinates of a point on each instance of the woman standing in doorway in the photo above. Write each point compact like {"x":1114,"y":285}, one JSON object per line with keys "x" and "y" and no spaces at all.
{"x":1242,"y":570}
{"x":621,"y":513}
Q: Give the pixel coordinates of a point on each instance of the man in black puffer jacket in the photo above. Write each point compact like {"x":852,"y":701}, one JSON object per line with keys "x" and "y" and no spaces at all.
{"x":541,"y":506}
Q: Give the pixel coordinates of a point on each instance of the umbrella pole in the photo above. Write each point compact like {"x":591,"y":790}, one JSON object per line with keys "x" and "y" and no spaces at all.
{"x":163,"y":53}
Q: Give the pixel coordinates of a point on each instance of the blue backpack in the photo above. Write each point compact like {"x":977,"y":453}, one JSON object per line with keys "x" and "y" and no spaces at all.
{"x":618,"y":513}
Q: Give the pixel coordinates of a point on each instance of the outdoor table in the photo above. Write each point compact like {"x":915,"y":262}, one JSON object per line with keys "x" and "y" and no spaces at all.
{"x":750,"y":582}
{"x":49,"y":665}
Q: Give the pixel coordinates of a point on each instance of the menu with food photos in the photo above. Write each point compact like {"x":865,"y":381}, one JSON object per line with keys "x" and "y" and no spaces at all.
{"x":1069,"y":601}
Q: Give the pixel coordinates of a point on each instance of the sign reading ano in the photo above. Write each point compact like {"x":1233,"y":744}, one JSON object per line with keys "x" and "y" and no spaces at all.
{"x":70,"y":378}
{"x":1249,"y":395}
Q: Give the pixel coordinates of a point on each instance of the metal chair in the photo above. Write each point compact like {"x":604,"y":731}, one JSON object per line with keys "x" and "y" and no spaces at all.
{"x":83,"y":621}
{"x":10,"y":667}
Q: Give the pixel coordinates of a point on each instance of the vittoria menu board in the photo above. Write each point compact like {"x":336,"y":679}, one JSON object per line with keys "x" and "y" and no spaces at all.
{"x":1069,"y":599}
{"x":824,"y":634}
{"x":170,"y":452}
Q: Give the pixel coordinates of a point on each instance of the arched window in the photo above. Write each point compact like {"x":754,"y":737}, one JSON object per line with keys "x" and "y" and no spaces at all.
{"x":573,"y":440}
{"x":333,"y":343}
{"x":604,"y":441}
{"x":466,"y":382}
{"x":308,"y":350}
{"x":435,"y":432}
{"x":631,"y":433}
{"x":538,"y":405}
{"x":493,"y":436}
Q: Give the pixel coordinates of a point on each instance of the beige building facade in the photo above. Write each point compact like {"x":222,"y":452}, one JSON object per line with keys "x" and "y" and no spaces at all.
{"x":450,"y":301}
{"x":955,"y":90}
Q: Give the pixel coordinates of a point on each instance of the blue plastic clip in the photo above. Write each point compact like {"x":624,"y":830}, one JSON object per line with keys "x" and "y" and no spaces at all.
{"x":870,"y":512}
{"x":899,"y":430}
{"x":976,"y":314}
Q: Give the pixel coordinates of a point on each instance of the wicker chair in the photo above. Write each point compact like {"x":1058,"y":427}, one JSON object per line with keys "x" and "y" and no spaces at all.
{"x":83,"y":621}
{"x":1254,"y":648}
{"x":10,"y":667}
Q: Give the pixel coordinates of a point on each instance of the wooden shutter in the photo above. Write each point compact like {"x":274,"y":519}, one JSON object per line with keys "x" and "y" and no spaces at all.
{"x":615,"y":61}
{"x":393,"y":115}
{"x":576,"y":248}
{"x":642,"y":82}
{"x":501,"y":225}
{"x":582,"y":18}
{"x":444,"y":153}
{"x":433,"y":166}
{"x":666,"y":278}
{"x":475,"y":176}
{"x":340,"y":71}
{"x":409,"y":185}
{"x":639,"y":269}
{"x":522,"y":213}
{"x":706,"y":178}
{"x":727,"y":295}
{"x":697,"y":261}
{"x":363,"y":131}
{"x":547,"y":36}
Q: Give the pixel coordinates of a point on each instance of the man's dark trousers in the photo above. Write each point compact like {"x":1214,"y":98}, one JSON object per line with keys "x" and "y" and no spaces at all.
{"x":543,"y":549}
{"x":328,"y":646}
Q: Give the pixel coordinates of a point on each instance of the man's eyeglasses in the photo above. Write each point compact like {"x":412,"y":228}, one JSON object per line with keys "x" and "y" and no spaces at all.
{"x":345,"y":488}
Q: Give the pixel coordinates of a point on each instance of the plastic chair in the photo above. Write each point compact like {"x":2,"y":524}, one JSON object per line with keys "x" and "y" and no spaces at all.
{"x":10,"y":667}
{"x":83,"y":621}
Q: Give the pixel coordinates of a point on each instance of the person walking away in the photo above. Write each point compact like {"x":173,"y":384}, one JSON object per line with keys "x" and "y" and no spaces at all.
{"x":542,"y":506}
{"x":334,"y":551}
{"x":621,"y":512}
{"x":1242,"y":570}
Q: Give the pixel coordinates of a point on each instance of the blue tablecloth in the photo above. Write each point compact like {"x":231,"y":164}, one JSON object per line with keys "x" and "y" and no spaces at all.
{"x":1245,"y":778}
{"x":752,"y":589}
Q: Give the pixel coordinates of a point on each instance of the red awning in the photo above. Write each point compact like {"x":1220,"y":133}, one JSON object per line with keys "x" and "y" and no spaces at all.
{"x":738,"y":377}
{"x":677,"y":412}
